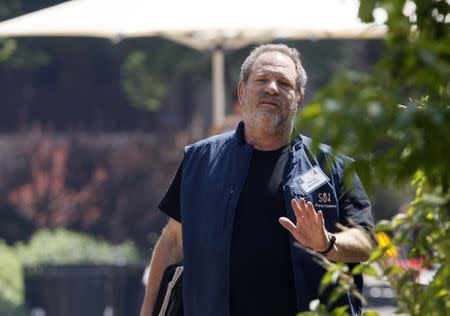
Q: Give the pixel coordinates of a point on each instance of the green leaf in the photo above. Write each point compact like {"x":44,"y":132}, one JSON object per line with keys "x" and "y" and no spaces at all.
{"x":7,"y":49}
{"x":383,"y":226}
{"x":313,"y":110}
{"x":377,"y":254}
{"x":337,"y":293}
{"x":392,"y":270}
{"x":11,"y":276}
{"x":434,"y":199}
{"x":325,"y":282}
{"x":366,"y":8}
{"x":364,"y":268}
{"x":370,"y":313}
{"x":340,"y":311}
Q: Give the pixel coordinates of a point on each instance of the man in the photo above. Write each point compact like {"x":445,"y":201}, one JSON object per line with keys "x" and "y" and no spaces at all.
{"x":250,"y":208}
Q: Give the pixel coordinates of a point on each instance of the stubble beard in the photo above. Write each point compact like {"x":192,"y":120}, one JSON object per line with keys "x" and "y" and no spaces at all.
{"x":269,"y":123}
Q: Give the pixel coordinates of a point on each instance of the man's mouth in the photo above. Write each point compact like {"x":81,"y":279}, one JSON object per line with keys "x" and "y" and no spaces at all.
{"x":270,"y":102}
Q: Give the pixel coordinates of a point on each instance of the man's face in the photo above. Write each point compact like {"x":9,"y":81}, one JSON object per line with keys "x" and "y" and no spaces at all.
{"x":269,"y":99}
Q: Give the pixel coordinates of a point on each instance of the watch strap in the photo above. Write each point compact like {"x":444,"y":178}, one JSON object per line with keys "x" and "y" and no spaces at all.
{"x":331,"y":242}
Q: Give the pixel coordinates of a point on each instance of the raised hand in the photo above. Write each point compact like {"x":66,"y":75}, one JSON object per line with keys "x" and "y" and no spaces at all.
{"x":309,"y":229}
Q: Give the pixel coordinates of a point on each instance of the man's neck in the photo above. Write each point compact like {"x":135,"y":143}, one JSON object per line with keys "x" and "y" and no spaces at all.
{"x":266,"y":142}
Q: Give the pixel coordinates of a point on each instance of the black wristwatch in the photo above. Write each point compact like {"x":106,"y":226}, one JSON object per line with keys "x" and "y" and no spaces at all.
{"x":331,"y":241}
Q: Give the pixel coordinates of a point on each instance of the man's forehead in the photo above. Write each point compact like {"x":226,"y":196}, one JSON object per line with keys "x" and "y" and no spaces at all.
{"x":274,"y":61}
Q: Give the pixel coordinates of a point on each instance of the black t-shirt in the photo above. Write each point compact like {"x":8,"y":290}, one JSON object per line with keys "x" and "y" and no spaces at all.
{"x":170,"y":203}
{"x":261,"y":279}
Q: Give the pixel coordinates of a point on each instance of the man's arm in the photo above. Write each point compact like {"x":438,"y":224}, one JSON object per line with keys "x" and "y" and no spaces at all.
{"x":168,"y":250}
{"x":352,"y":245}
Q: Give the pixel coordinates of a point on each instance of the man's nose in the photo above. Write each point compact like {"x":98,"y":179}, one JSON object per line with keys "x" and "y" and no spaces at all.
{"x":272,"y":87}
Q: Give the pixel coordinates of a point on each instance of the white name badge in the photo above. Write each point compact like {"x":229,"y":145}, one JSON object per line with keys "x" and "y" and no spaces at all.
{"x":311,"y":179}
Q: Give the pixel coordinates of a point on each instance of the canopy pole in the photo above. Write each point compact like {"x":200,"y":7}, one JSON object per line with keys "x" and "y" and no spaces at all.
{"x":218,"y":82}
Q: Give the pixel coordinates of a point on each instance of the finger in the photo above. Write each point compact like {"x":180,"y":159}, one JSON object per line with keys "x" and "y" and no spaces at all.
{"x":293,"y":230}
{"x":286,"y":223}
{"x":297,"y":210}
{"x":309,"y":212}
{"x":304,"y":208}
{"x":302,"y":204}
{"x":320,"y":219}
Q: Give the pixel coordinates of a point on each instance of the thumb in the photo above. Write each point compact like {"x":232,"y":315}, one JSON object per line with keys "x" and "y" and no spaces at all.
{"x":286,"y":223}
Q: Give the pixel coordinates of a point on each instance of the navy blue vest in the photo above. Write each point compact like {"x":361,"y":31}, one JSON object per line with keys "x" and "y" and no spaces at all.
{"x":214,"y":171}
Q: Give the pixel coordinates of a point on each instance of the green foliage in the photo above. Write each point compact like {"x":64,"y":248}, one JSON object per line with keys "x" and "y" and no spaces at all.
{"x":147,"y":71}
{"x":67,"y":247}
{"x":425,"y":231}
{"x":11,"y":280}
{"x":317,"y":309}
{"x":57,"y":247}
{"x":10,"y":276}
{"x":17,"y":53}
{"x":7,"y":48}
{"x":9,"y":309}
{"x":393,"y":114}
{"x":395,"y":122}
{"x":144,"y":88}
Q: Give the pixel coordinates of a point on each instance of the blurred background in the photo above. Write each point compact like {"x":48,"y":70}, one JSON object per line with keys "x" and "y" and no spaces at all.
{"x":91,"y":133}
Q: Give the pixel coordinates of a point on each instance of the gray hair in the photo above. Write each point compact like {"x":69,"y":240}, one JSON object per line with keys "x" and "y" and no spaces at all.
{"x":249,"y":62}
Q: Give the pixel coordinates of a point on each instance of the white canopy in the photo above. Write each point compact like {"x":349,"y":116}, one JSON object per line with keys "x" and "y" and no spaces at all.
{"x":201,"y":24}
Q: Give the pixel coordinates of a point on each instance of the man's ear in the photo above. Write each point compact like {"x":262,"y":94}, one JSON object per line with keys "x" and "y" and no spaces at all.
{"x":299,"y":101}
{"x":240,"y":90}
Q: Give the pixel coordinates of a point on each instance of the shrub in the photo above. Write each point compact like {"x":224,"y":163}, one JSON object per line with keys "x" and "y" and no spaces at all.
{"x":10,"y":275}
{"x":66,"y":247}
{"x":57,"y":247}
